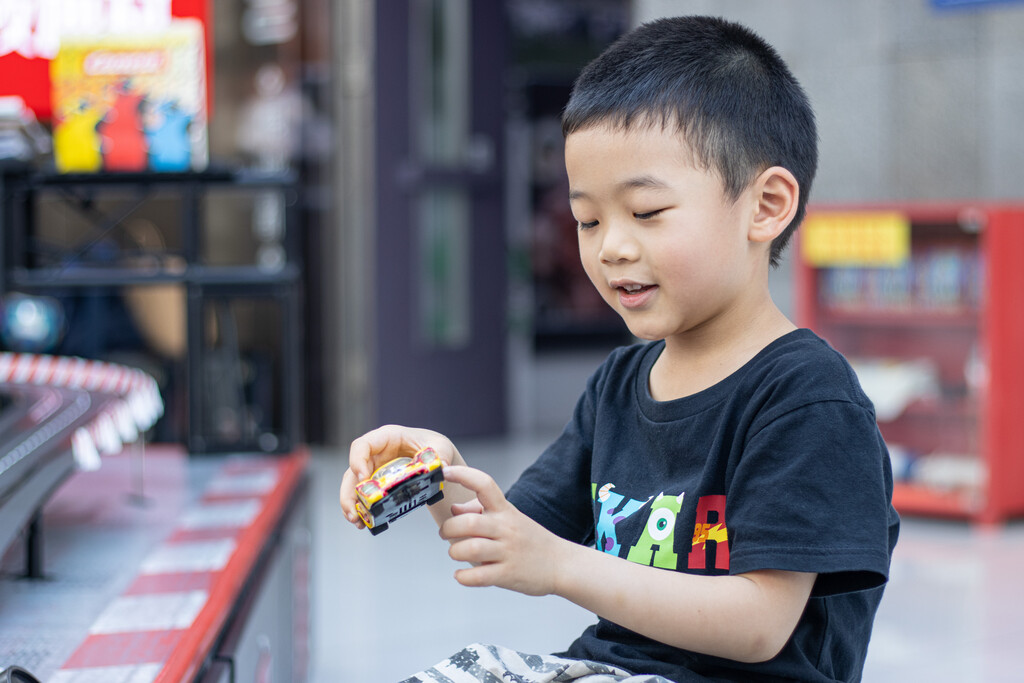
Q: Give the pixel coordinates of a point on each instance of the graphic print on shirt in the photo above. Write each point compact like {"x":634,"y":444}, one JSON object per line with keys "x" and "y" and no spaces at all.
{"x":655,"y":545}
{"x":706,"y":530}
{"x":610,"y":515}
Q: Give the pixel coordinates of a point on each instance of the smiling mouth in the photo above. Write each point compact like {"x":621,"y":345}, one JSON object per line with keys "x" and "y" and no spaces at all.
{"x":634,"y":289}
{"x":635,"y":296}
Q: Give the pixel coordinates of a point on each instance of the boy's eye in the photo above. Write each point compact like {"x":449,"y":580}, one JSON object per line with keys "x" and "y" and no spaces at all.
{"x":580,"y":225}
{"x":647,"y":215}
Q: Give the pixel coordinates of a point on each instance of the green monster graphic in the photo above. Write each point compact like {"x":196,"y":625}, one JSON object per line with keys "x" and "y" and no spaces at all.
{"x":660,"y":533}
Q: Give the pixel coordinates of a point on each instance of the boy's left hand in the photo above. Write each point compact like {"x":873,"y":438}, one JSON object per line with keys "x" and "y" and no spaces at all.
{"x":506,"y":548}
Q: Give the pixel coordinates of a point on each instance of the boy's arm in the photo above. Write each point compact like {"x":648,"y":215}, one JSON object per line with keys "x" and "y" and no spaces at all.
{"x":382,"y":445}
{"x":747,"y":617}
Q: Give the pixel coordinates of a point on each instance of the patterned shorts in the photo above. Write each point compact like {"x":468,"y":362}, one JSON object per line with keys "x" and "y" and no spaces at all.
{"x":494,"y":664}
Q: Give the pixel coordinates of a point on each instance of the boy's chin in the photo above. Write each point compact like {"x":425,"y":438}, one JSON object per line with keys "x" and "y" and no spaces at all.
{"x":644,"y":334}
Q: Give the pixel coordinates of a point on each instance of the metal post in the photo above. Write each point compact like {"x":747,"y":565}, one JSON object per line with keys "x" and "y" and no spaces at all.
{"x":34,"y":547}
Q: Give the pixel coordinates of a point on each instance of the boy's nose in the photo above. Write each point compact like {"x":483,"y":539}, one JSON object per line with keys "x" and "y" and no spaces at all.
{"x":618,"y":244}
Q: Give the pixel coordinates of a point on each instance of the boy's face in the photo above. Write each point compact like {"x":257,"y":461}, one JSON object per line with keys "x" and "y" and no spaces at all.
{"x":663,"y":244}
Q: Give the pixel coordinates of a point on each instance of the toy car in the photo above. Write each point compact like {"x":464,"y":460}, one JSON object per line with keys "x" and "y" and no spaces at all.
{"x":399,"y":486}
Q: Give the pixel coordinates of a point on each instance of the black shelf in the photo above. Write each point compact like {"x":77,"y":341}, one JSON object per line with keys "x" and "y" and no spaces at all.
{"x":105,"y":202}
{"x":212,"y":176}
{"x":241,"y":276}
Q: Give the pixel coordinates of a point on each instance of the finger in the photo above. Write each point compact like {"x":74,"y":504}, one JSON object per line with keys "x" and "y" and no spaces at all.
{"x":479,"y":482}
{"x":468,"y":526}
{"x":360,"y":458}
{"x":345,"y":491}
{"x":347,"y":496}
{"x":472,"y":507}
{"x":475,"y":551}
{"x":363,"y":451}
{"x":379,"y":445}
{"x":479,"y":577}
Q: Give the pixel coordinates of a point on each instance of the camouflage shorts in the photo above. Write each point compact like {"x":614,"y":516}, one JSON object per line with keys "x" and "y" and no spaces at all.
{"x":493,"y":664}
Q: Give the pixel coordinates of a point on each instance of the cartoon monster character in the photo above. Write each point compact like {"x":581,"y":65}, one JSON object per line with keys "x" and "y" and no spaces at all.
{"x":655,"y":545}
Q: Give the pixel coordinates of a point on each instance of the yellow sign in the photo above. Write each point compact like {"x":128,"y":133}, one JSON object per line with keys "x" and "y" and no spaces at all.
{"x":866,"y":239}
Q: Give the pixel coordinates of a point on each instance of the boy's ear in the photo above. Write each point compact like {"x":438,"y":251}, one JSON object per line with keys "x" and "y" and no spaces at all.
{"x":777,"y":193}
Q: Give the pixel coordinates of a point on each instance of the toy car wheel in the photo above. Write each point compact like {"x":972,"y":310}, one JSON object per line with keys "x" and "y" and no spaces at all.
{"x":378,"y":529}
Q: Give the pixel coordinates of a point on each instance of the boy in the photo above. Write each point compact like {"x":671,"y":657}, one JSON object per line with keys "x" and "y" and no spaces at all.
{"x":721,"y":497}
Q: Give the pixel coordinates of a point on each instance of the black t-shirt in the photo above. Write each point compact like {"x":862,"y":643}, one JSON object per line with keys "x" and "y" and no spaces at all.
{"x":778,"y":466}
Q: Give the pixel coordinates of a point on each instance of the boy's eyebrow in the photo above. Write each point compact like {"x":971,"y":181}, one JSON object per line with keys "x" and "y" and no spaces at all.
{"x":638,"y":182}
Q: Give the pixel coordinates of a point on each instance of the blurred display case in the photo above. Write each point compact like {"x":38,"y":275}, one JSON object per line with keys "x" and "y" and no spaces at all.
{"x":924,"y":301}
{"x":199,"y":271}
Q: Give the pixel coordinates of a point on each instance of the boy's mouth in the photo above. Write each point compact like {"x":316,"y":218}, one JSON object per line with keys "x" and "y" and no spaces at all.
{"x":633,"y":288}
{"x":633,"y":294}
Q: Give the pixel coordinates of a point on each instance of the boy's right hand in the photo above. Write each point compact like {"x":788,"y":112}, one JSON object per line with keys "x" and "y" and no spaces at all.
{"x":382,"y":445}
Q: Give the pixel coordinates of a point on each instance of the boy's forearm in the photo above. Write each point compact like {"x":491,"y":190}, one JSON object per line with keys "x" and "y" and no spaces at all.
{"x":744,"y":617}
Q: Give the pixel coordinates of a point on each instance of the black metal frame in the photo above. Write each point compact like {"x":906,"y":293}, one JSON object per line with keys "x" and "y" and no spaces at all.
{"x":19,"y":189}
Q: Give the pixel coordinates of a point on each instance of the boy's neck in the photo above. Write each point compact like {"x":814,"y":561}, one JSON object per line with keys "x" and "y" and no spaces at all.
{"x":702,"y":358}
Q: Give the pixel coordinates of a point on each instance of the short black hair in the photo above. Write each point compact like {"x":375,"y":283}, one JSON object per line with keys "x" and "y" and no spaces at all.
{"x":727,"y":91}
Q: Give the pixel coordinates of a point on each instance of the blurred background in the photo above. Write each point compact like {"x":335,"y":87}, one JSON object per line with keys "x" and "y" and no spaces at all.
{"x":430,"y":229}
{"x":367,"y":222}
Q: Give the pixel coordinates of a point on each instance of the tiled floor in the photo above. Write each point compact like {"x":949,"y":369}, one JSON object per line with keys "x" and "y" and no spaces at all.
{"x":387,"y":606}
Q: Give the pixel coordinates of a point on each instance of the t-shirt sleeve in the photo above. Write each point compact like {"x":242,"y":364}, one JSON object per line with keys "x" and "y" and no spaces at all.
{"x":813,"y":493}
{"x":555,"y":490}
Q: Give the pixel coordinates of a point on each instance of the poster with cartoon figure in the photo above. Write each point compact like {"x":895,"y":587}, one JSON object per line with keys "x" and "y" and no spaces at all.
{"x":131,"y":102}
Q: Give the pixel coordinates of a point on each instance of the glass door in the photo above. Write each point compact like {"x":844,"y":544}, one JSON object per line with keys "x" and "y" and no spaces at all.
{"x":440,"y":280}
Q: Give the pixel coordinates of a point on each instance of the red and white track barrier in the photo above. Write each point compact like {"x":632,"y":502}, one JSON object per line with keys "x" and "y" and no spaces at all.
{"x":136,"y":404}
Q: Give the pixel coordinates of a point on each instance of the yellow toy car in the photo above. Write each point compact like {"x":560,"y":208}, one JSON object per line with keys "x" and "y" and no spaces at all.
{"x":399,"y":486}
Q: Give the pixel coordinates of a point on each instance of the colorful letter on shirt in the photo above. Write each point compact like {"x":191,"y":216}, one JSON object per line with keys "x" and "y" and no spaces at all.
{"x":705,"y":530}
{"x":660,"y":533}
{"x":610,"y":516}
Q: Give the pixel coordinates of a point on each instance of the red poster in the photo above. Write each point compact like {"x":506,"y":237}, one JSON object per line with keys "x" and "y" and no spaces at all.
{"x":31,"y":30}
